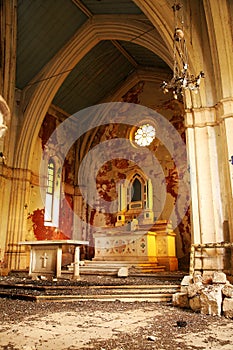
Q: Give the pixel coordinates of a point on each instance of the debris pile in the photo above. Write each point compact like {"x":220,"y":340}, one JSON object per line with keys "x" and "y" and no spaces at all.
{"x":207,"y":294}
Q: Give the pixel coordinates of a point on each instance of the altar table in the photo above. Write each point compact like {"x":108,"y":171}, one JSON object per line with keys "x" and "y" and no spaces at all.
{"x":46,"y":257}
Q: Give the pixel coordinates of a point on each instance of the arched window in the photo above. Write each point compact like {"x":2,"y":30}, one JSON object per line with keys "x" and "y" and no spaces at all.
{"x":49,"y":199}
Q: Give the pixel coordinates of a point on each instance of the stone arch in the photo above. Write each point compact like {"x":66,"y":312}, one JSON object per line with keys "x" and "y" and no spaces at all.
{"x":39,"y":95}
{"x":221,"y":46}
{"x":160,"y":14}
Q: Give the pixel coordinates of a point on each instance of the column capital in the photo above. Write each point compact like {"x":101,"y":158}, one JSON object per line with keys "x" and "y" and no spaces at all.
{"x":200,"y":117}
{"x":224,"y":108}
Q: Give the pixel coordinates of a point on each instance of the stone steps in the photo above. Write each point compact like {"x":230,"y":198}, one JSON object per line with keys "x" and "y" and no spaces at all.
{"x":125,"y":293}
{"x":112,"y":267}
{"x":165,"y":297}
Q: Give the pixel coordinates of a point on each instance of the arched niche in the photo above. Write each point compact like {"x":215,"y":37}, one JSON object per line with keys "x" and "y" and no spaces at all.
{"x":135,"y":200}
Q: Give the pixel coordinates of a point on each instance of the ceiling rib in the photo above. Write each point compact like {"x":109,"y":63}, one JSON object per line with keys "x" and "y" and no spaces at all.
{"x":125,"y":53}
{"x":83,"y":8}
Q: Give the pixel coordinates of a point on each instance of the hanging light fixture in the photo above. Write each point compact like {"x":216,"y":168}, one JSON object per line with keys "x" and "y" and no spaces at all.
{"x":182,"y":78}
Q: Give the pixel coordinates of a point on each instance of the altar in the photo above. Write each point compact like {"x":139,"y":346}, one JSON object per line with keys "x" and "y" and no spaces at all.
{"x":46,"y":257}
{"x":137,"y":236}
{"x":147,"y":244}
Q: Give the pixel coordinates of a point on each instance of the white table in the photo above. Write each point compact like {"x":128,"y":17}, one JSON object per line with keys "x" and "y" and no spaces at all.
{"x":46,"y":257}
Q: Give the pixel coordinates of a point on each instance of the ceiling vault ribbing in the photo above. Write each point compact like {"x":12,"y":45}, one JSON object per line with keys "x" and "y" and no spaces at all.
{"x":83,"y":8}
{"x":125,"y":53}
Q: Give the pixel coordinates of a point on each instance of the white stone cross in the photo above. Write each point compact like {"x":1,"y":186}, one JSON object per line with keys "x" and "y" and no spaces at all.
{"x":44,"y":259}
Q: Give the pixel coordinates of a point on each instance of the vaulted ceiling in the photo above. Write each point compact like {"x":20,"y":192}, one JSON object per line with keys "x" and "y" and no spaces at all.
{"x":46,"y":26}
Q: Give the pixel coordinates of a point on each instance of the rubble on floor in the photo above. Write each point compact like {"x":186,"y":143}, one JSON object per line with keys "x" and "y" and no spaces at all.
{"x":210,"y":294}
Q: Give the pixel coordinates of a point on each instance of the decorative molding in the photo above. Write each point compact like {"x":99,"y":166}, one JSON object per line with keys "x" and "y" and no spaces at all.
{"x":200,"y":117}
{"x":224,"y":108}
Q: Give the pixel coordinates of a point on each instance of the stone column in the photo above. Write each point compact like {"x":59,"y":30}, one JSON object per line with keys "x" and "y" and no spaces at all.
{"x":8,"y":33}
{"x":8,"y":15}
{"x":203,"y":139}
{"x":16,"y":255}
{"x":5,"y":175}
{"x":225,"y":117}
{"x":8,"y":20}
{"x":5,"y":190}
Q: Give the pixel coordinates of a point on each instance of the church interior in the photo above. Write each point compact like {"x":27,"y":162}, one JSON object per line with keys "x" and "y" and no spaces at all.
{"x":116,"y":129}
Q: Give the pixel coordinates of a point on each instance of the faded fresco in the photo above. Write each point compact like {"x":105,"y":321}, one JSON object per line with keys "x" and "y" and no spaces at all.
{"x":110,"y":173}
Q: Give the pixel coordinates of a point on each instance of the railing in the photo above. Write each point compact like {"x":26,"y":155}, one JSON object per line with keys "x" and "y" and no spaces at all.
{"x":194,"y":247}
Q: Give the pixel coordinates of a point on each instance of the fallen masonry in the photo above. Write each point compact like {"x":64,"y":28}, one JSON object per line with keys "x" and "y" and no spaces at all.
{"x":207,"y":294}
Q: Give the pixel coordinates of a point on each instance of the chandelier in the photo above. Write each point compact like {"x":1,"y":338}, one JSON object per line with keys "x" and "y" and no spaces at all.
{"x":182,"y":78}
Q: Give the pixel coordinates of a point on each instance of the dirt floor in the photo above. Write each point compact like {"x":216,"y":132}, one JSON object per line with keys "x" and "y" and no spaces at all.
{"x":26,"y":325}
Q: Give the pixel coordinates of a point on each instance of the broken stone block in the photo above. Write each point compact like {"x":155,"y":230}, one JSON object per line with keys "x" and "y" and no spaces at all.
{"x":43,"y":278}
{"x":207,"y":277}
{"x":151,"y":337}
{"x":211,"y":300}
{"x":197,"y":277}
{"x":186,"y":280}
{"x":194,"y":289}
{"x":219,"y":277}
{"x":123,"y":272}
{"x":195,"y":303}
{"x":228,"y":290}
{"x":184,"y":289}
{"x":181,"y":300}
{"x":228,"y":307}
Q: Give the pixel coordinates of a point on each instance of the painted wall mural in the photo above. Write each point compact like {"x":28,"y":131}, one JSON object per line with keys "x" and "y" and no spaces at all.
{"x":113,"y":171}
{"x":66,"y":216}
{"x":41,"y":231}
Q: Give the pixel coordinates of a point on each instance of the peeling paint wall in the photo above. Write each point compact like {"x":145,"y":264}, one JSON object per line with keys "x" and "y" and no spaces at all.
{"x":109,"y":174}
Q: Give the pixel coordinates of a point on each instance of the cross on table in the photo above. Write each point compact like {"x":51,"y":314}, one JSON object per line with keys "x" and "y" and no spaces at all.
{"x":44,"y":259}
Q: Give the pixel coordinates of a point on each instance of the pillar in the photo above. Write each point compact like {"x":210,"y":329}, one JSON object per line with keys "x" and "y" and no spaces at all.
{"x":225,"y":117}
{"x":8,"y":22}
{"x":8,"y":34}
{"x":203,"y":140}
{"x":16,"y":255}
